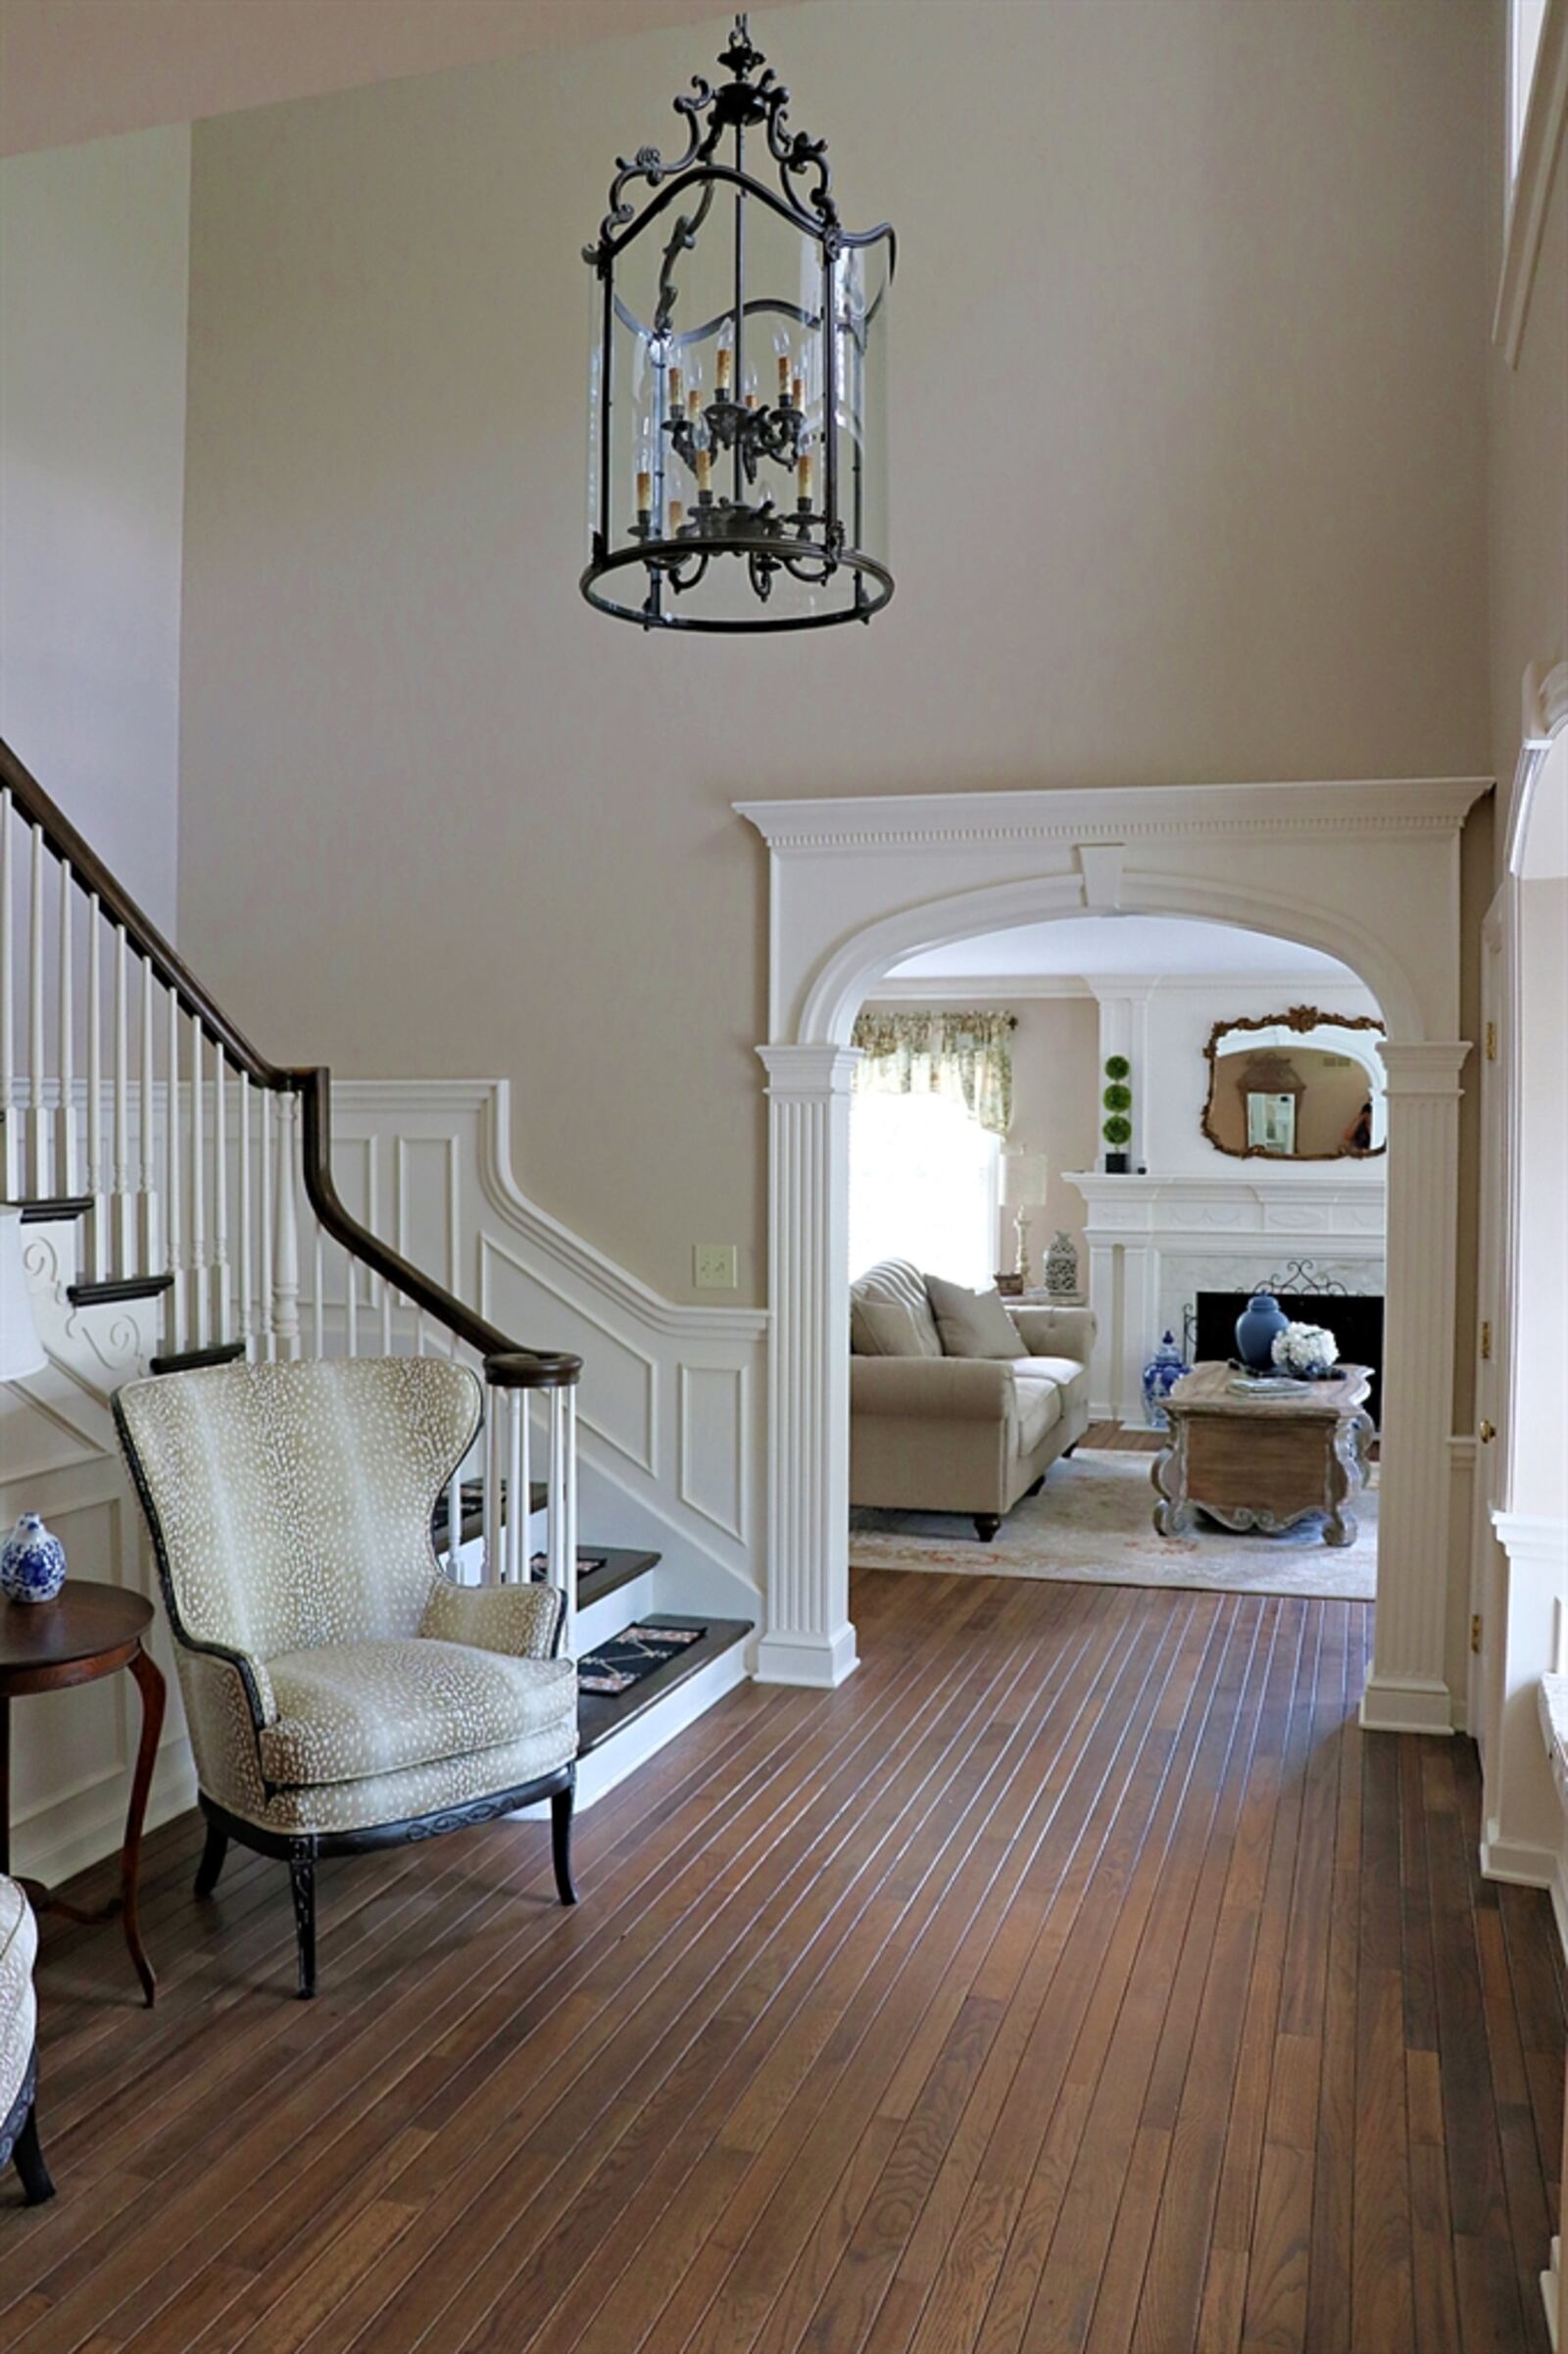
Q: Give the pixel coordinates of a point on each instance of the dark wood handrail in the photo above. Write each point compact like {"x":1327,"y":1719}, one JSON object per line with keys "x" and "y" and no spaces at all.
{"x":507,"y":1366}
{"x":95,"y":881}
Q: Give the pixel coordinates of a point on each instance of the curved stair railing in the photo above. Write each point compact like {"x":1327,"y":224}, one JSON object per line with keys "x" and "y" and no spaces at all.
{"x":199,"y":1178}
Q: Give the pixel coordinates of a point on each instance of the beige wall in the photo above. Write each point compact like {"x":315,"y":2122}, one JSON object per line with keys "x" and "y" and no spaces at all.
{"x":1188,"y":433}
{"x":93,"y":272}
{"x":1528,"y":461}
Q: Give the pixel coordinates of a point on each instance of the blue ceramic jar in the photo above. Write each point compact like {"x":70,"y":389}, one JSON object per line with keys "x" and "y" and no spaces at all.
{"x":32,"y":1563}
{"x":1256,"y":1327}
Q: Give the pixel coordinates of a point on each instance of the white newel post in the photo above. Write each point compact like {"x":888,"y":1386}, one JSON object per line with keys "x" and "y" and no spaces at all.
{"x":809,"y":1638}
{"x":1407,"y":1689}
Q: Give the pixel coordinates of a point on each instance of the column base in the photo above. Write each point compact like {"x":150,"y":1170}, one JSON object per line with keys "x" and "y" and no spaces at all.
{"x":819,"y":1661}
{"x":1406,"y":1704}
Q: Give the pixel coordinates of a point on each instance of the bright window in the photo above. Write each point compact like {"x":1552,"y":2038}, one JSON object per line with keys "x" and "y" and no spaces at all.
{"x":923,"y":1186}
{"x":1525,"y":21}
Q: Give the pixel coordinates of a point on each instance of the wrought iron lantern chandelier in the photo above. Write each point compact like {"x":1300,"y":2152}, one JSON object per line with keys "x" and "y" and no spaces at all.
{"x":737,"y":472}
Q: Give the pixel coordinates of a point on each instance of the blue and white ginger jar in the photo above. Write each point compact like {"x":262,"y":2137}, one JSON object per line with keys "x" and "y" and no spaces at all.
{"x":32,"y":1563}
{"x":1163,"y":1372}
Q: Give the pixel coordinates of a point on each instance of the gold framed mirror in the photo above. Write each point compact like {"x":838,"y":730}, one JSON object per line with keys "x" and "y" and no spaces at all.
{"x":1301,"y":1084}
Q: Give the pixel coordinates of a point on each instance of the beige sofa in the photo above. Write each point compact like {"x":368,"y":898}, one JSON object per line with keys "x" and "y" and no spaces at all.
{"x":932,"y":1433}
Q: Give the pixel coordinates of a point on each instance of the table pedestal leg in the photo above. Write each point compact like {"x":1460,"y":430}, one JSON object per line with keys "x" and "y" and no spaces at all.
{"x":150,"y":1684}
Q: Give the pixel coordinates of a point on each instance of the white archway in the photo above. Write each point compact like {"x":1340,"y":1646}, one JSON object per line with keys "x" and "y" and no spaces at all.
{"x":1366,"y":873}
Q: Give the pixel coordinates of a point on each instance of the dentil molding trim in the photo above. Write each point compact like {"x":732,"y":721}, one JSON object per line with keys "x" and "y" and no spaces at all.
{"x":913,"y":820}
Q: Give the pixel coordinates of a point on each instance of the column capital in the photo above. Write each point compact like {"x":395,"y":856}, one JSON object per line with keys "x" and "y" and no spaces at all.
{"x":811,"y":1070}
{"x":1431,"y":1067}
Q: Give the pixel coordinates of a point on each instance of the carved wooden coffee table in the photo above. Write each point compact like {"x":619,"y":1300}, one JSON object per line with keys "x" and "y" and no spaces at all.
{"x":1264,"y":1457}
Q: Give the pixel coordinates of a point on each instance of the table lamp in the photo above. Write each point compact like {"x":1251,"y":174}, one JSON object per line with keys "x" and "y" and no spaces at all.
{"x":1023,"y":1189}
{"x":32,"y":1563}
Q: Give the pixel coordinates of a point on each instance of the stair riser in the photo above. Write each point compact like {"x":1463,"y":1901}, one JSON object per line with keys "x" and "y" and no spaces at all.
{"x":623,"y":1609}
{"x":604,"y":1768}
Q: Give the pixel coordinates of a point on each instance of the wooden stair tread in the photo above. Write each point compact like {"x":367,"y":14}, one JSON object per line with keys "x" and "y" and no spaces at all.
{"x":623,"y":1563}
{"x":45,"y":1208}
{"x":119,"y":1286}
{"x":191,"y":1360}
{"x":601,"y":1716}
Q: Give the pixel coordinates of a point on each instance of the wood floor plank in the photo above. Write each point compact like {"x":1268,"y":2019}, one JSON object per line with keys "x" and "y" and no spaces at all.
{"x":1078,"y":1979}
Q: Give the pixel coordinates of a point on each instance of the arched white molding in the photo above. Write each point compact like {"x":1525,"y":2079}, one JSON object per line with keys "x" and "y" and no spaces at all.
{"x":850,"y":975}
{"x":1368,"y":873}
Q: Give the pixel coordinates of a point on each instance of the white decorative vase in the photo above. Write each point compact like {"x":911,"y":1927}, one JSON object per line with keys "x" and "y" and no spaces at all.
{"x":32,"y":1563}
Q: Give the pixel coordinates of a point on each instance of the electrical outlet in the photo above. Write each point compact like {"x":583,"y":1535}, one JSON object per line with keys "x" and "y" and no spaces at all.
{"x":714,"y":1266}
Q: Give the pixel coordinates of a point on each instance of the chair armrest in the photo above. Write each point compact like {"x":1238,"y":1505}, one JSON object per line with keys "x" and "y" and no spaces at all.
{"x":523,"y":1621}
{"x":1057,"y":1331}
{"x":933,"y":1388}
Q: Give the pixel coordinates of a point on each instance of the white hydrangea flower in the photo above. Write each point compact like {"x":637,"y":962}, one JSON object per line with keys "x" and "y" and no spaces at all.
{"x":1305,"y":1349}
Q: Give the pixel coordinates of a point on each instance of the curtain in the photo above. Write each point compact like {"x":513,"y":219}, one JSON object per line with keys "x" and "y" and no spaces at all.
{"x":965,"y":1056}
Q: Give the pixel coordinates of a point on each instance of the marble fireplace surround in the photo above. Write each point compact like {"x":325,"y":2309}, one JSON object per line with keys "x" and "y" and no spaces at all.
{"x":1154,"y":1241}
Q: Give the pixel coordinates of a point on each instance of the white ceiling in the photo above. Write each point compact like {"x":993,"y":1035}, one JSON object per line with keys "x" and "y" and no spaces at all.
{"x":81,"y":69}
{"x":1081,"y":947}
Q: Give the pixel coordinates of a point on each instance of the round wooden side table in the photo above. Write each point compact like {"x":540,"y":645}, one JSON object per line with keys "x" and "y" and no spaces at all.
{"x":88,"y":1632}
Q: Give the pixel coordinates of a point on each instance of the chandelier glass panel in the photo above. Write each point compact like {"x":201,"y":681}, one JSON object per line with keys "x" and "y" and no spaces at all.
{"x":737,"y":461}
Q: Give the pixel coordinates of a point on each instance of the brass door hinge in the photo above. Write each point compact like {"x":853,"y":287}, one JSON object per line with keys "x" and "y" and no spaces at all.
{"x":1492,"y":1041}
{"x":1486,"y":1342}
{"x":1475,"y":1634}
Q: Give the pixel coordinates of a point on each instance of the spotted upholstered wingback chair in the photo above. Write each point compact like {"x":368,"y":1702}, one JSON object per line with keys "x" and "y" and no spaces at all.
{"x":341,"y":1691}
{"x":19,"y":2060}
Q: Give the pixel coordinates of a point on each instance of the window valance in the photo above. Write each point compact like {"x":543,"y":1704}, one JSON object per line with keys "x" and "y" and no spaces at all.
{"x":965,"y":1056}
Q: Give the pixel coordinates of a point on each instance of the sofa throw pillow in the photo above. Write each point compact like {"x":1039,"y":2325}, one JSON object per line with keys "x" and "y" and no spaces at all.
{"x":885,"y":1328}
{"x":972,"y":1323}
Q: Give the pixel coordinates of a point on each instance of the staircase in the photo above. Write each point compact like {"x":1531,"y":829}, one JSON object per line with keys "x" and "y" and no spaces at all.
{"x":186,"y":1216}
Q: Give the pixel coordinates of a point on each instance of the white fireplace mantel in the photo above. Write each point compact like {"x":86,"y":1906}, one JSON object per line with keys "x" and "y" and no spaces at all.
{"x":1144,"y":1235}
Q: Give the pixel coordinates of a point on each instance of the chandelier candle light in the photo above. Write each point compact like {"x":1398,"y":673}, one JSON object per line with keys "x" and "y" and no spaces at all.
{"x":737,"y":466}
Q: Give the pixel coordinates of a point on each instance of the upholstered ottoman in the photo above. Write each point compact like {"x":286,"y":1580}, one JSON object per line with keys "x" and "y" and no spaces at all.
{"x":19,"y":2058}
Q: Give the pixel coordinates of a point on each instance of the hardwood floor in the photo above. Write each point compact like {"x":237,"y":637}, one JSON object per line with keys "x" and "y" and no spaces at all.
{"x":1079,"y":1974}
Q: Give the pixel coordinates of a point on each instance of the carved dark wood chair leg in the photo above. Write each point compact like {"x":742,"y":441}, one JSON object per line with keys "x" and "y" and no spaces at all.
{"x":561,"y":1805}
{"x":36,"y":2185}
{"x":986,"y":1525}
{"x":213,"y":1855}
{"x":302,"y":1881}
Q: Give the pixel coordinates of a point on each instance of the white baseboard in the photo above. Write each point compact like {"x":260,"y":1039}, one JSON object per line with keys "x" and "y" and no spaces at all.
{"x":599,"y":1772}
{"x":818,"y":1661}
{"x":1525,"y":1865}
{"x":1393,"y":1704}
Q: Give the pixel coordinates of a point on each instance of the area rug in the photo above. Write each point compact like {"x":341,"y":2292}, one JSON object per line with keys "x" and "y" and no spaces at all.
{"x":615,"y":1666}
{"x":1093,"y":1521}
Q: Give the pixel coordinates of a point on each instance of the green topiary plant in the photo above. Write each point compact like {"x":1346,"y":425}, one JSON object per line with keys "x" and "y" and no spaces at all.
{"x":1117,"y":1100}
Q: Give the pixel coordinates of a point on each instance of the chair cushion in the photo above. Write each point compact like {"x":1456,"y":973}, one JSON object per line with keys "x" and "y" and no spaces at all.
{"x":19,"y":1944}
{"x":971,"y":1323}
{"x":351,"y":1709}
{"x":1039,"y":1410}
{"x":898,"y":1280}
{"x":1070,"y":1378}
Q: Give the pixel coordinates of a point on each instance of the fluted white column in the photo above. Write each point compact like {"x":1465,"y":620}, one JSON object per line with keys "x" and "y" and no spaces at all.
{"x":809,"y":1638}
{"x":1407,"y":1689}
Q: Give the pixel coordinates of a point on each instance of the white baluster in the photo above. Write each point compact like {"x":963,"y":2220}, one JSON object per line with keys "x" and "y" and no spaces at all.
{"x":419,"y":1332}
{"x":318,"y":1299}
{"x":124,"y":1206}
{"x":222,"y":1318}
{"x":10,"y":1155}
{"x":490,"y":1573}
{"x":147,"y":1122}
{"x":173,"y":1201}
{"x":386,"y":1318}
{"x":351,"y":1305}
{"x":199,"y":1264}
{"x":286,"y":1240}
{"x":65,"y":1115}
{"x":38,"y":1133}
{"x":246,"y":1326}
{"x":455,"y":1526}
{"x":515,"y":1568}
{"x":97,"y":1174}
{"x":267,"y":1339}
{"x":562,"y":1543}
